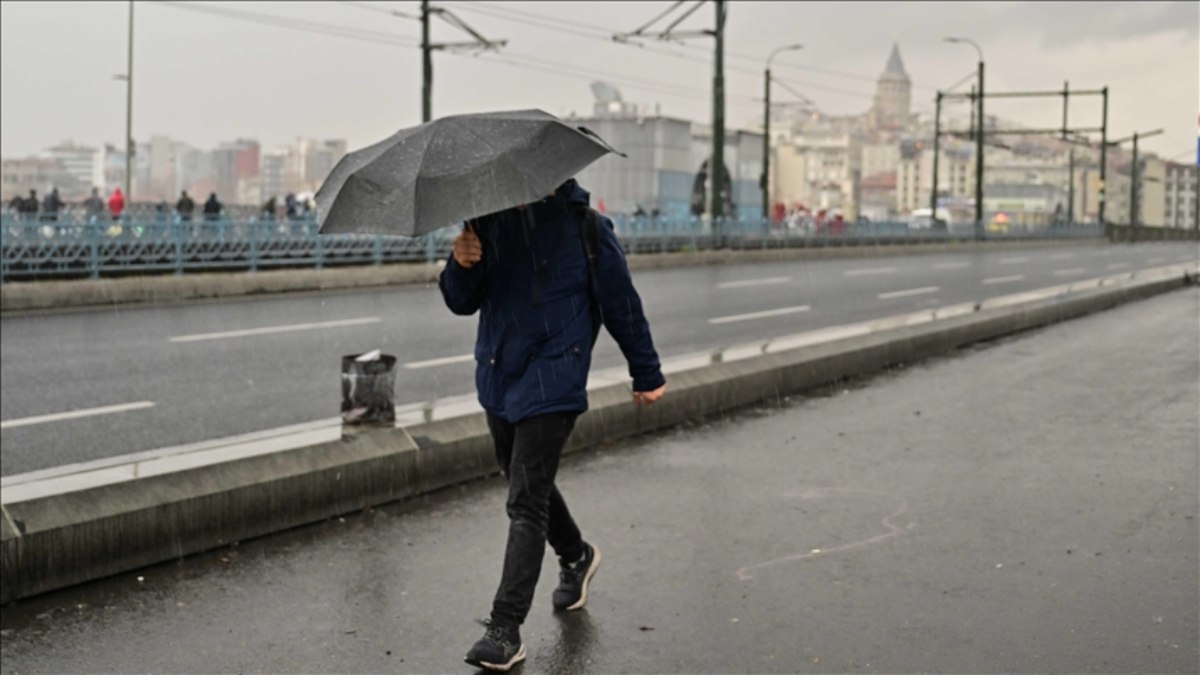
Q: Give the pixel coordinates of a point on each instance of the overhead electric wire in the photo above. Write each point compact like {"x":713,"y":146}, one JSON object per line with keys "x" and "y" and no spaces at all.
{"x":529,"y":20}
{"x":587,"y":32}
{"x":484,"y":8}
{"x":380,"y":10}
{"x":277,"y":21}
{"x":603,"y":35}
{"x":665,"y":12}
{"x":530,"y":63}
{"x":970,"y":76}
{"x":625,"y":80}
{"x":400,"y":41}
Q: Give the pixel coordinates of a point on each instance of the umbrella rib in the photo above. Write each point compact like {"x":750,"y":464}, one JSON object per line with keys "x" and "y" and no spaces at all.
{"x":417,"y":182}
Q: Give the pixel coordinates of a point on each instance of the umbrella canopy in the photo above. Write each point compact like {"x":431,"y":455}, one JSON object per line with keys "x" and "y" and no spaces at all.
{"x":452,"y":169}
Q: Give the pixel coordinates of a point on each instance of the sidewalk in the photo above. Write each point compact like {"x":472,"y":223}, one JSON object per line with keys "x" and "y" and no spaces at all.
{"x":1026,"y":507}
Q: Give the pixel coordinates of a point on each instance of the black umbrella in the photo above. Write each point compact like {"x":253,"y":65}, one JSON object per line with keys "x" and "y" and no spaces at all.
{"x":453,"y":169}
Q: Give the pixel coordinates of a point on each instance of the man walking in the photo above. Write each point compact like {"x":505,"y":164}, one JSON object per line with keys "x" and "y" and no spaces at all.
{"x":543,"y":277}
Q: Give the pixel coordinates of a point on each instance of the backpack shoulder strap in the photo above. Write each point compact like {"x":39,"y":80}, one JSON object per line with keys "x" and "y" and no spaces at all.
{"x":589,"y":232}
{"x":591,"y":238}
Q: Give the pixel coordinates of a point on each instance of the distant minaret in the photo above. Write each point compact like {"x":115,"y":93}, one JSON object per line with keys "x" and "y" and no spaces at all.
{"x":893,"y":95}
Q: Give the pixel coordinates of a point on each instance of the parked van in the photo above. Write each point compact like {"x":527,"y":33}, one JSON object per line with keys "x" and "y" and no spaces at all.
{"x":921,"y":220}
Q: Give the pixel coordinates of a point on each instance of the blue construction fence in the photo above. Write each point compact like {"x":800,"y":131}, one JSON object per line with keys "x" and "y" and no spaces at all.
{"x":77,"y":246}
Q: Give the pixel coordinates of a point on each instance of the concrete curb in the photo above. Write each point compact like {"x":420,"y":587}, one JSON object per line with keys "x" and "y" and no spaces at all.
{"x":25,"y":296}
{"x":78,"y":528}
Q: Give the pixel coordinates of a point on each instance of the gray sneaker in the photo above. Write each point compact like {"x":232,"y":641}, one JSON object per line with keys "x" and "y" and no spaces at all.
{"x":500,"y":648}
{"x":573,"y":578}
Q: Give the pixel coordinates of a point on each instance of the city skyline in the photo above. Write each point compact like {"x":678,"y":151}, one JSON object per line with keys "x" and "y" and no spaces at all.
{"x":1142,"y":51}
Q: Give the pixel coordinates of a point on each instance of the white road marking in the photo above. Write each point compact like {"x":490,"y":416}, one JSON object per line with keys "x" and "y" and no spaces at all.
{"x":1013,"y":261}
{"x":754,"y":282}
{"x":1071,"y":272}
{"x":951,"y":265}
{"x":274,"y":329}
{"x":1062,"y":256}
{"x":75,"y":414}
{"x":868,"y":271}
{"x":1117,"y":266}
{"x":759,"y":315}
{"x":1004,"y":280}
{"x":440,"y":362}
{"x":1155,"y":261}
{"x":911,"y":291}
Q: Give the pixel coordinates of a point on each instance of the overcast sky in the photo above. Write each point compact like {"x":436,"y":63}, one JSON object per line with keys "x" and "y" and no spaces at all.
{"x":204,"y":78}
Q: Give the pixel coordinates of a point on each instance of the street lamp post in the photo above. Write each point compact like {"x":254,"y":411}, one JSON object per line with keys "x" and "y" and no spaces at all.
{"x":426,"y":66}
{"x":937,"y":135}
{"x":129,"y":114}
{"x":978,"y":138}
{"x":766,"y":172}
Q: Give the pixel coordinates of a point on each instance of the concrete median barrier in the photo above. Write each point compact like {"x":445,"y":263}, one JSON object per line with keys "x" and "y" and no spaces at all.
{"x":63,"y":527}
{"x":25,"y":296}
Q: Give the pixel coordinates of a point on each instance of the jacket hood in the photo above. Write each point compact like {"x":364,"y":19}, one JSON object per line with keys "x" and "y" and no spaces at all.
{"x":572,"y":194}
{"x":567,"y":198}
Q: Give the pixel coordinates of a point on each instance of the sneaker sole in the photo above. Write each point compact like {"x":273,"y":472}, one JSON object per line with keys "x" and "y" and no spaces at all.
{"x":587,"y":578}
{"x":501,"y":667}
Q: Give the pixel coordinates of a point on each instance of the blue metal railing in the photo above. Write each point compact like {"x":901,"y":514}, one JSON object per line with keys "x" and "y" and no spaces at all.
{"x":646,"y":235}
{"x":95,"y":247}
{"x":76,"y":245}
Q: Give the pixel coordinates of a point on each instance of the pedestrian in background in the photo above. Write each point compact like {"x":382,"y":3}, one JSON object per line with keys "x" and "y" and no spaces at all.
{"x":116,"y":204}
{"x":29,"y":206}
{"x":185,"y":206}
{"x":212,"y":207}
{"x":93,"y":206}
{"x":543,"y":278}
{"x":51,"y":205}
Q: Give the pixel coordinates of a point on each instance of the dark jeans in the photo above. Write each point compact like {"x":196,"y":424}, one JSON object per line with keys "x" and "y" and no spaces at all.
{"x":528,"y":454}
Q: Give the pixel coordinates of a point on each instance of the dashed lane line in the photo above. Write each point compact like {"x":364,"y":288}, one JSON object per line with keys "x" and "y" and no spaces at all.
{"x":1004,"y":280}
{"x":910,"y":292}
{"x":746,"y":283}
{"x":869,"y":271}
{"x":75,"y":414}
{"x":759,"y":315}
{"x":268,"y":330}
{"x":445,"y":361}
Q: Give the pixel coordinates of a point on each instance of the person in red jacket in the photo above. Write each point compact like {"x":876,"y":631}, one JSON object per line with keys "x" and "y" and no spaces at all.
{"x":116,"y":203}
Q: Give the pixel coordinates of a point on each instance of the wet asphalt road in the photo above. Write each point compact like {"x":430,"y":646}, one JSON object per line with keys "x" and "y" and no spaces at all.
{"x":236,"y":384}
{"x":1025,"y":506}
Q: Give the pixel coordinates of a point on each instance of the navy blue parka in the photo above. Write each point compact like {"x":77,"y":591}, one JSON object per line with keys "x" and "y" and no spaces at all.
{"x":534,"y":344}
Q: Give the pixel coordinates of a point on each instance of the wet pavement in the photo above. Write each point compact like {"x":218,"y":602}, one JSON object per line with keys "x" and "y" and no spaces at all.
{"x":215,"y":388}
{"x":1025,"y":506}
